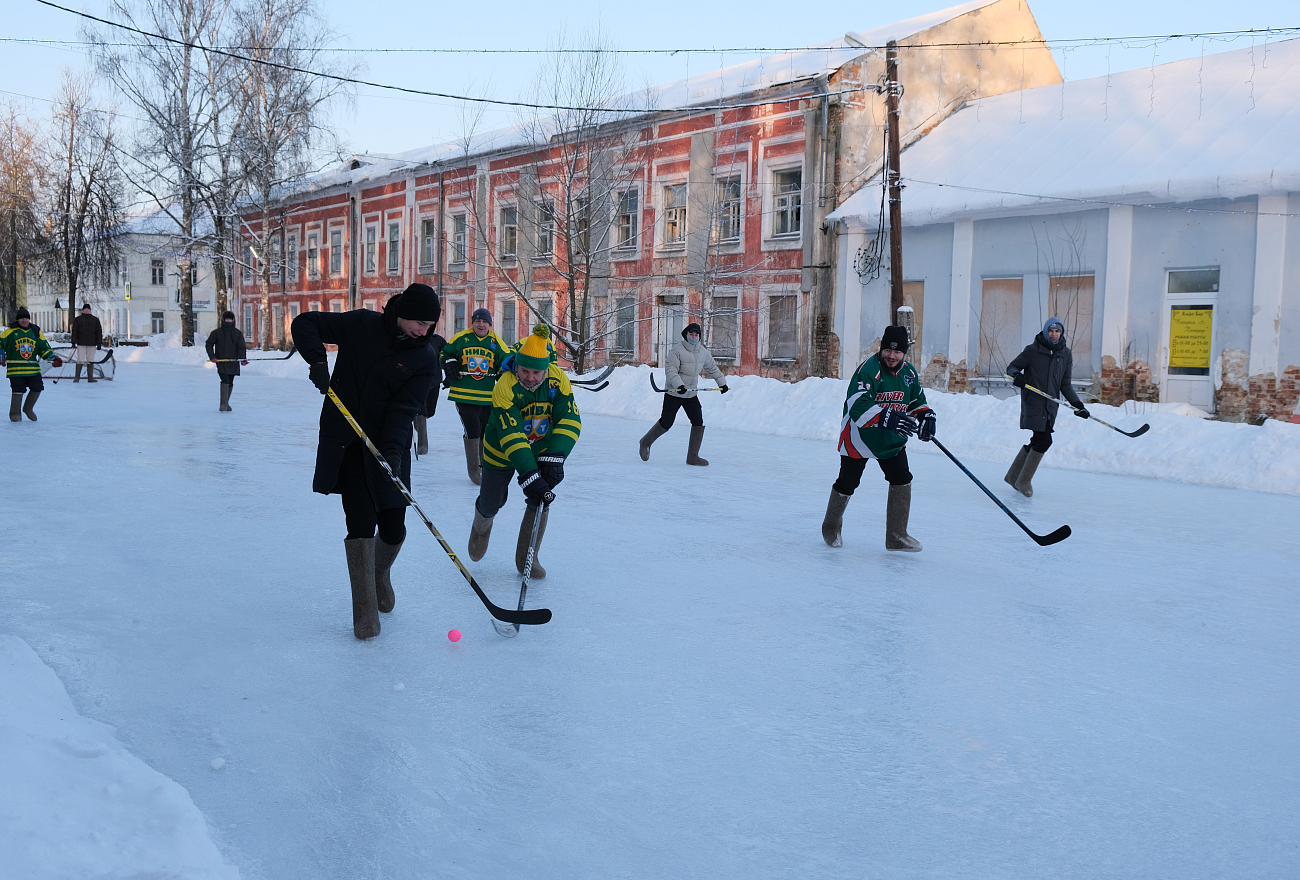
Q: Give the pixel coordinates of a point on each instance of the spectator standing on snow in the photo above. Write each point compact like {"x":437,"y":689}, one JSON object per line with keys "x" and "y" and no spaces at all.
{"x":87,"y":337}
{"x":22,"y":345}
{"x":430,"y":403}
{"x":533,"y":426}
{"x":1047,"y":364}
{"x":885,"y":406}
{"x":684,"y":364}
{"x":471,"y":363}
{"x":383,"y":374}
{"x":226,"y":346}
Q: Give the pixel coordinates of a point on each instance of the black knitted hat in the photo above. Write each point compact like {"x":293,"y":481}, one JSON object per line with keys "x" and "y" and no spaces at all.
{"x":692,"y":328}
{"x":419,"y":302}
{"x":895,"y":339}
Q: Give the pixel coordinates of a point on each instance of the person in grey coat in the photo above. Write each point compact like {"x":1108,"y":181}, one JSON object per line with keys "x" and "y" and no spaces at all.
{"x":684,"y":364}
{"x":227,"y":348}
{"x":1047,"y":364}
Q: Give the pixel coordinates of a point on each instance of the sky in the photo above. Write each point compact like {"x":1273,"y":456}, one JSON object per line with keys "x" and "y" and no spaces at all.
{"x":385,"y":123}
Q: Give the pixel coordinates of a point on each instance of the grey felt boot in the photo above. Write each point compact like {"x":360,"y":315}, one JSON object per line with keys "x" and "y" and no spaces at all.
{"x":525,"y":534}
{"x":693,"y":451}
{"x":833,"y":524}
{"x":1023,"y":484}
{"x":897,"y":511}
{"x":225,"y":398}
{"x":1017,"y":466}
{"x":30,"y":406}
{"x":90,"y":373}
{"x":361,"y":571}
{"x":479,"y":534}
{"x":656,"y":431}
{"x":16,"y":407}
{"x":474,"y":459}
{"x":384,"y":555}
{"x":421,"y":435}
{"x":76,"y":374}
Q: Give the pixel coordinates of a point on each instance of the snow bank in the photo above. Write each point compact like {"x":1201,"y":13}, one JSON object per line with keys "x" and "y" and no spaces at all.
{"x":1181,"y":445}
{"x":75,"y":803}
{"x":166,"y":348}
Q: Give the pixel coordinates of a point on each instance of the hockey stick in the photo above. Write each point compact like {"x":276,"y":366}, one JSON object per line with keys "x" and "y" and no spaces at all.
{"x":665,"y":390}
{"x":250,"y":360}
{"x":1043,"y":540}
{"x":510,"y":630}
{"x":536,"y":616}
{"x":593,"y":380}
{"x":600,"y":387}
{"x":1138,"y":433}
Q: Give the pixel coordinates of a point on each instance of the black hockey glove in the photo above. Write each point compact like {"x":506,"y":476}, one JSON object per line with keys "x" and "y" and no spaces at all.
{"x":394,"y":460}
{"x":926,"y":431}
{"x":681,"y":389}
{"x":450,"y":369}
{"x":899,"y":422}
{"x":724,"y":389}
{"x":1018,"y":380}
{"x":1082,"y":413}
{"x":319,"y":373}
{"x":535,"y":488}
{"x":551,"y":467}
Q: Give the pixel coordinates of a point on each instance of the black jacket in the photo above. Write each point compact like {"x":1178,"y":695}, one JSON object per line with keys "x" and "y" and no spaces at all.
{"x":86,"y":330}
{"x":1048,"y":368}
{"x":225,"y":342}
{"x":382,"y":377}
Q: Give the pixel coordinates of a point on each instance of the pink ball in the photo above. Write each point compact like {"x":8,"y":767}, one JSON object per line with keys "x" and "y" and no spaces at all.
{"x":454,"y":635}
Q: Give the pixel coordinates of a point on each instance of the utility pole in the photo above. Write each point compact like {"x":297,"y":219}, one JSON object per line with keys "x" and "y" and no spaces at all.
{"x":894,"y":89}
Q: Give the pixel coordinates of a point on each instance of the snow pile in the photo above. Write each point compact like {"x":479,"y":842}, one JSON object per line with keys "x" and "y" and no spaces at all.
{"x":75,"y":803}
{"x":166,"y":348}
{"x":1187,"y":450}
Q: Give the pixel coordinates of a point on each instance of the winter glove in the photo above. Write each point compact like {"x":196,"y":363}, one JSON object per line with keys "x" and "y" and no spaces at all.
{"x":1082,"y":413}
{"x":724,"y":389}
{"x":899,"y":422}
{"x":551,"y":467}
{"x":212,"y":360}
{"x":319,"y":373}
{"x":58,"y":361}
{"x":681,"y":389}
{"x":450,"y":369}
{"x":926,"y":431}
{"x":394,"y":460}
{"x":243,"y":363}
{"x":1018,"y":380}
{"x":535,"y":488}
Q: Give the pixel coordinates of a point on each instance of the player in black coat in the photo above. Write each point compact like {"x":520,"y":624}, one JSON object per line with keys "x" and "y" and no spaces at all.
{"x":226,"y":344}
{"x":1047,"y":364}
{"x":383,"y":373}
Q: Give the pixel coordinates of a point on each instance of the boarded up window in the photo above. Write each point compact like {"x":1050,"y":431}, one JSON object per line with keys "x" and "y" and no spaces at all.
{"x":1070,"y":299}
{"x":782,"y":328}
{"x":914,"y":297}
{"x":999,"y":328}
{"x":724,"y":327}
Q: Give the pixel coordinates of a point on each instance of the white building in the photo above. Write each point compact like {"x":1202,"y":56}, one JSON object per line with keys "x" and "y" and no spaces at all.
{"x":1156,"y":211}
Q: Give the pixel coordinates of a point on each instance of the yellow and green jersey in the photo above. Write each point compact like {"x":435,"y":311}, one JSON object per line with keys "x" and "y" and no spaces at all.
{"x":23,"y":350}
{"x":525,"y":424}
{"x":480,"y":361}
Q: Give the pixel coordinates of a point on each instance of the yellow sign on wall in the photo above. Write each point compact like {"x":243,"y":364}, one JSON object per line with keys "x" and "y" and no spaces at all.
{"x":1189,"y":337}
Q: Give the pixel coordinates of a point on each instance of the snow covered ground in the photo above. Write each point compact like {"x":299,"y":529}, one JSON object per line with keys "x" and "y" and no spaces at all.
{"x":719,"y":693}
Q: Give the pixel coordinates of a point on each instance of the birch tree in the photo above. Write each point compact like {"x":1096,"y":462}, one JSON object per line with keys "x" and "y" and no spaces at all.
{"x":21,"y":170}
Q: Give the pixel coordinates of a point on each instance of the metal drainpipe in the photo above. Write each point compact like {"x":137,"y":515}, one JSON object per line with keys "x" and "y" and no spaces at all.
{"x":352,"y":251}
{"x":442,"y":214}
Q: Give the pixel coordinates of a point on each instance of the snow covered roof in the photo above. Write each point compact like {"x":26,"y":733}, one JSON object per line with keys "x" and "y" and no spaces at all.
{"x":156,"y":221}
{"x":1223,"y":126}
{"x":717,"y":86}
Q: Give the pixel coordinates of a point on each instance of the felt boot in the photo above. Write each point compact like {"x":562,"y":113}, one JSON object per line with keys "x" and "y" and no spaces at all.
{"x":474,"y":459}
{"x":76,"y":374}
{"x":30,"y":406}
{"x":897,"y":510}
{"x":693,"y":451}
{"x":361,"y":571}
{"x":479,"y":534}
{"x":421,"y":435}
{"x":1017,"y":466}
{"x":1023,"y":484}
{"x":526,"y":533}
{"x":90,"y":373}
{"x":16,"y":407}
{"x":384,"y":555}
{"x":834,"y":521}
{"x":225,"y":398}
{"x":656,"y":431}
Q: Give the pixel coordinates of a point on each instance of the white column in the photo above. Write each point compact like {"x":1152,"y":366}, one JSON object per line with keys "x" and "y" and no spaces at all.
{"x":1119,"y":272}
{"x":963,"y":253}
{"x":848,"y":295}
{"x":1270,"y":253}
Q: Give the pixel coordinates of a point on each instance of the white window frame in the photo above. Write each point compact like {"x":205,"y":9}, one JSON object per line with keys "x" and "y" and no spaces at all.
{"x":629,"y":247}
{"x":370,"y":263}
{"x":545,"y":208}
{"x":669,"y":187}
{"x":336,"y":305}
{"x":313,"y":254}
{"x":459,"y":239}
{"x":393,"y":256}
{"x":733,"y":293}
{"x":511,"y":320}
{"x":313,"y":306}
{"x":372,"y":304}
{"x":721,"y":207}
{"x":291,"y":255}
{"x":777,"y":197}
{"x":502,"y":226}
{"x":766,"y":295}
{"x":428,"y":242}
{"x":336,"y":250}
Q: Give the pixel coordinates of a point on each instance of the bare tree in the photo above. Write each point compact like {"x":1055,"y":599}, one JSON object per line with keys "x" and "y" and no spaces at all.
{"x":21,"y":171}
{"x":83,"y":196}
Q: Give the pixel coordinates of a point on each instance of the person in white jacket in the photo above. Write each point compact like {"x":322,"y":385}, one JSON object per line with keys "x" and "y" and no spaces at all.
{"x":688,"y":359}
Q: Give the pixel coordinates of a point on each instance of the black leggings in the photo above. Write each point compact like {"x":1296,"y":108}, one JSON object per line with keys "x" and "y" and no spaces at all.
{"x":474,"y":417}
{"x":894,"y":469}
{"x":672,"y":404}
{"x":1041,"y":441}
{"x":359,"y":508}
{"x":226,"y":378}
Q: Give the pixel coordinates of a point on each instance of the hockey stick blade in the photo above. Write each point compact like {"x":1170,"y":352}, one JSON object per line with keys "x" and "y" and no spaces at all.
{"x":592,"y":380}
{"x":1054,"y":538}
{"x":601,"y":387}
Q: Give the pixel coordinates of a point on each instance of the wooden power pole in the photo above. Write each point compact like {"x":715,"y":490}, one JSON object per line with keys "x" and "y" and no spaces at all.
{"x":893,"y":89}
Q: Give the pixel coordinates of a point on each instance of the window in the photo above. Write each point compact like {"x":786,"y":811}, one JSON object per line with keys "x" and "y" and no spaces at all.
{"x":371,"y":304}
{"x":509,"y":240}
{"x":291,"y":263}
{"x":295,"y":309}
{"x":371,"y":248}
{"x":336,"y":306}
{"x":458,"y":239}
{"x":248,"y":322}
{"x":787,"y":201}
{"x":457,"y":316}
{"x":580,"y":225}
{"x":394,"y":248}
{"x":428,"y":242}
{"x":545,"y":227}
{"x":1001,"y":308}
{"x":156,"y":321}
{"x":675,"y":215}
{"x":277,"y":263}
{"x":728,"y":228}
{"x":547,"y":308}
{"x":248,"y":266}
{"x":782,"y":328}
{"x":1192,"y":296}
{"x":724,"y":328}
{"x":625,"y":224}
{"x":1070,"y":299}
{"x":157,"y":275}
{"x":313,"y":257}
{"x":277,"y":323}
{"x":194,"y":274}
{"x":509,"y":323}
{"x":336,"y":251}
{"x":625,"y":332}
{"x":313,"y":307}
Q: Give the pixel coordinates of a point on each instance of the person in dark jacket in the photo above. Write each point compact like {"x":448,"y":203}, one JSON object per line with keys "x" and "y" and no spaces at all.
{"x":383,"y":373}
{"x":1047,"y":364}
{"x":226,"y":347}
{"x":430,"y":404}
{"x":87,"y":337}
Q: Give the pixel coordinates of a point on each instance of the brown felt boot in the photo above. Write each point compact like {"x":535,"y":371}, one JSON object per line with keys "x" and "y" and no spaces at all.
{"x":1016,"y":466}
{"x":693,"y":451}
{"x":474,"y":459}
{"x":30,"y":406}
{"x":361,"y":571}
{"x":656,"y":431}
{"x":384,"y":556}
{"x":897,"y":510}
{"x":90,"y":373}
{"x":479,"y":534}
{"x":225,"y":398}
{"x":525,"y":534}
{"x":76,"y":374}
{"x":16,"y":407}
{"x":421,"y":435}
{"x":834,"y":521}
{"x":1023,"y":484}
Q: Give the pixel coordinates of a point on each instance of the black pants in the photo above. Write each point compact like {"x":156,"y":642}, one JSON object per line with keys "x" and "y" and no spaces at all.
{"x":672,"y":404}
{"x":493,"y":492}
{"x":474,"y":417}
{"x":19,"y":384}
{"x":1041,"y":441}
{"x":227,"y":378}
{"x":894,"y":469}
{"x":359,"y":508}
